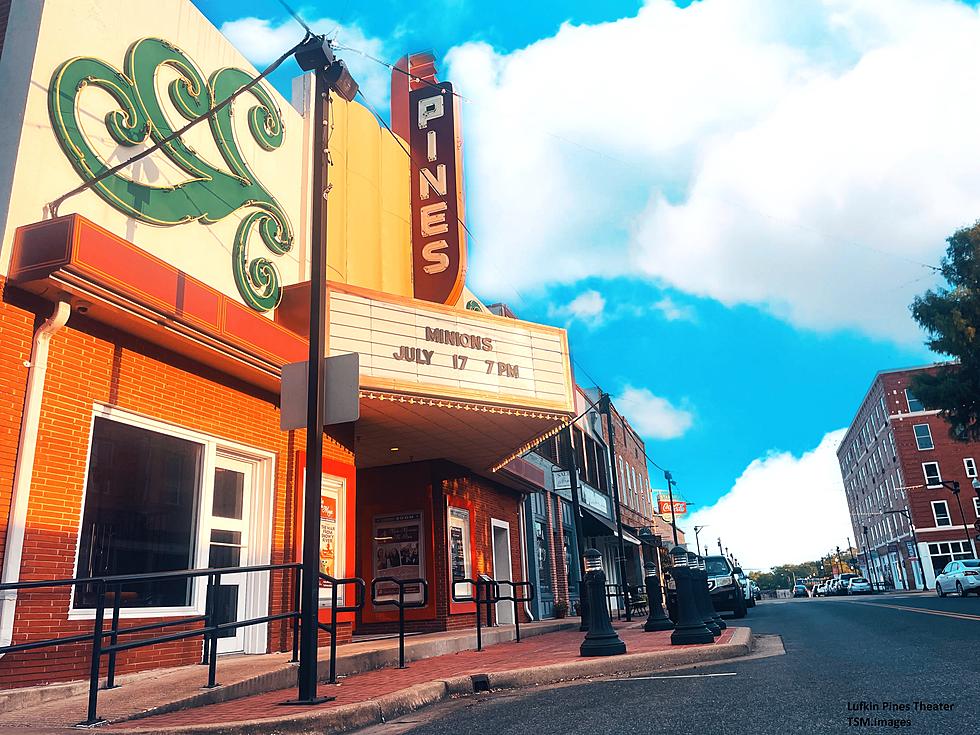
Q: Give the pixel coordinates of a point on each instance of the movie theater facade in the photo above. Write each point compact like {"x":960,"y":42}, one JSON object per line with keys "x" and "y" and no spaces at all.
{"x":145,"y":323}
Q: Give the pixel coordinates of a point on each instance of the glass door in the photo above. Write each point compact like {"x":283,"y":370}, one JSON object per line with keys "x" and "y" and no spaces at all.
{"x":228,"y":544}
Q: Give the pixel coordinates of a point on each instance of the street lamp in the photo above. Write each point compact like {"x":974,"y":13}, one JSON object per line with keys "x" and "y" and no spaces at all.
{"x":867,"y":553}
{"x":954,"y":487}
{"x":330,"y":75}
{"x":697,"y":543}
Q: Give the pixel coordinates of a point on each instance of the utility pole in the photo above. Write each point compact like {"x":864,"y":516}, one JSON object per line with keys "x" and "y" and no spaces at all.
{"x":605,"y":404}
{"x":670,"y":496}
{"x":329,"y":73}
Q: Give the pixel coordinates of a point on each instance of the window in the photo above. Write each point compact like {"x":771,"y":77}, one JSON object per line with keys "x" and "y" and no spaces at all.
{"x":976,"y":507}
{"x":940,"y":511}
{"x":944,"y":552}
{"x":541,"y":551}
{"x":970,"y":466}
{"x":140,"y":510}
{"x":914,"y":403}
{"x":891,"y":443}
{"x":931,"y":472}
{"x":923,"y":436}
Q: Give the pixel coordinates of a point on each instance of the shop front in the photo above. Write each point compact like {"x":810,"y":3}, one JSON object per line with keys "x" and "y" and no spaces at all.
{"x":145,"y":324}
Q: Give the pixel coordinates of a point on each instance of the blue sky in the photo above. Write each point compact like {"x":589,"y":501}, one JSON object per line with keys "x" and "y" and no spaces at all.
{"x":729,"y":205}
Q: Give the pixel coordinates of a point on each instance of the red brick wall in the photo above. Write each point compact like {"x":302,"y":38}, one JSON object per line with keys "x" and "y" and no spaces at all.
{"x":92,"y":363}
{"x":948,"y":452}
{"x":17,"y":329}
{"x":414,"y":484}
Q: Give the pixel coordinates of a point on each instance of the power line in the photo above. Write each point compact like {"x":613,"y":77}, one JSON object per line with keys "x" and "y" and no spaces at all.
{"x":297,"y":18}
{"x":52,"y":207}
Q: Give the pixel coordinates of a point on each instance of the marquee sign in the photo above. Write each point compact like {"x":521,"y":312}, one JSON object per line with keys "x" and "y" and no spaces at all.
{"x":436,"y":350}
{"x":438,"y":236}
{"x":202,"y":191}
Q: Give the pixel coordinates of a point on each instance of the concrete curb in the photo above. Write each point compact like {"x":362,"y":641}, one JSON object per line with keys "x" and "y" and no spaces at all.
{"x":362,"y":714}
{"x":347,"y":663}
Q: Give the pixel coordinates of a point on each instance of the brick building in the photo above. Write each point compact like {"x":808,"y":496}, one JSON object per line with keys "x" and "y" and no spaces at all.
{"x":894,"y":460}
{"x":145,"y":328}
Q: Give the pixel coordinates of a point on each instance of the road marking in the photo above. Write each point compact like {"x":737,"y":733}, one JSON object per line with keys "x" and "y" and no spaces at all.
{"x":943,"y":613}
{"x":678,"y":676}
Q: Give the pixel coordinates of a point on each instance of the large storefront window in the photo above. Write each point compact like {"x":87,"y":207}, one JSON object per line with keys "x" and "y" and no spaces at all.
{"x":944,"y":552}
{"x":139,"y":515}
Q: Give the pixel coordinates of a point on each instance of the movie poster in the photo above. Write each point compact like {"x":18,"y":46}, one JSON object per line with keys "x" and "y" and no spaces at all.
{"x":459,"y":550}
{"x":331,"y":536}
{"x":398,"y":553}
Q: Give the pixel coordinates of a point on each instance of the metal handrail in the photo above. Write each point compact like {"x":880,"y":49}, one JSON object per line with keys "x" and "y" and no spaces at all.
{"x":331,"y":627}
{"x":209,"y":630}
{"x":401,"y":605}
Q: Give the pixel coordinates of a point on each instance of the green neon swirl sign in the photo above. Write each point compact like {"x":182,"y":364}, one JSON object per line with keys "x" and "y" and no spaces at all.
{"x":209,"y":194}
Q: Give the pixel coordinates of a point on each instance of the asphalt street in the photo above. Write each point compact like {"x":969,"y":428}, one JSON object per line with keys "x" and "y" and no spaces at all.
{"x":839,"y":653}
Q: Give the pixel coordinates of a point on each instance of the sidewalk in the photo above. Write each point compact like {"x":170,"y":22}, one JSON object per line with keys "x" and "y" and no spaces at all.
{"x":377,"y":696}
{"x":167,"y":690}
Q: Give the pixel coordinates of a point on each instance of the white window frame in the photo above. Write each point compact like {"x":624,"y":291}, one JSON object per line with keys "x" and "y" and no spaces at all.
{"x":260,"y":521}
{"x":925,"y":474}
{"x":976,"y":506}
{"x":935,"y":515}
{"x":970,"y":465}
{"x":932,"y":444}
{"x":908,"y":403}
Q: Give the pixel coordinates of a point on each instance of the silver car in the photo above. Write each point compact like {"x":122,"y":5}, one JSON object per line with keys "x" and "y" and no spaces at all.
{"x":962,"y":576}
{"x":859,"y":586}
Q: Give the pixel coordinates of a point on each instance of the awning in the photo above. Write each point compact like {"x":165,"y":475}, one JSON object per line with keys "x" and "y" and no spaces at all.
{"x":597,"y":525}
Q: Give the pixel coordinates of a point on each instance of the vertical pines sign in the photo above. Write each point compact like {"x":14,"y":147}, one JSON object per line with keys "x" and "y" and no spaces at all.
{"x":438,"y":236}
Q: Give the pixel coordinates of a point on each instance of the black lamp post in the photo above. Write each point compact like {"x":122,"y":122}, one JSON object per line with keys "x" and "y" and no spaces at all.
{"x":697,"y":543}
{"x":867,"y":552}
{"x":601,"y":640}
{"x":330,"y":74}
{"x":954,"y":487}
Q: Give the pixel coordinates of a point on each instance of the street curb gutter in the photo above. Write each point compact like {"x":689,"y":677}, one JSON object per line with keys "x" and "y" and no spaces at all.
{"x":362,"y":714}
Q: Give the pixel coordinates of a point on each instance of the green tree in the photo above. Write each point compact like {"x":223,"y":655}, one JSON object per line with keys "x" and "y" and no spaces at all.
{"x":950,"y":316}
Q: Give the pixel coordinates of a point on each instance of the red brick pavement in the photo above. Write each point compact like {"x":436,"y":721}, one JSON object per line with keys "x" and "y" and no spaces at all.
{"x":542,"y":650}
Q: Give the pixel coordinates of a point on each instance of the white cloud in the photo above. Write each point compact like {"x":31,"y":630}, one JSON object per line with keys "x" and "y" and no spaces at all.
{"x":588,"y":307}
{"x":802,"y":157}
{"x":783,"y":509}
{"x":674,"y":312}
{"x":262,"y":41}
{"x":654,"y":417}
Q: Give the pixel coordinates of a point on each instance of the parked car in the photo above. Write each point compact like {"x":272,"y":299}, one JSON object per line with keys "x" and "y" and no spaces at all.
{"x":746,"y":587}
{"x":858,"y":586}
{"x":726,"y":591}
{"x":799,"y":590}
{"x":962,"y":576}
{"x":820,"y":590}
{"x":756,"y":592}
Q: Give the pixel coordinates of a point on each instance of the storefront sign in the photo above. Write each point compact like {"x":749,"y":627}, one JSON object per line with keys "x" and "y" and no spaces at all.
{"x":398,"y":553}
{"x":562,"y":479}
{"x":450,"y":353}
{"x":194,"y":189}
{"x":910,"y":548}
{"x":679,"y":507}
{"x":438,"y":237}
